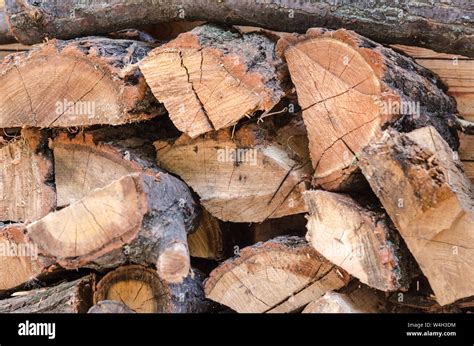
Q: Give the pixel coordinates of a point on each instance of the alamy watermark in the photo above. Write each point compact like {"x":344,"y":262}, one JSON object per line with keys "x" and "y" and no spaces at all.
{"x":401,"y":107}
{"x":66,"y":107}
{"x":9,"y":249}
{"x":237,"y":155}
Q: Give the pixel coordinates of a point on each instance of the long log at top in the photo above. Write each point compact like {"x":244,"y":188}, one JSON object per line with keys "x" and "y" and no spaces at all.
{"x":445,"y":27}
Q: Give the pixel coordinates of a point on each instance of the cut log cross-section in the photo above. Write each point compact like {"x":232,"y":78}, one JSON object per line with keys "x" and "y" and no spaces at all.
{"x":80,"y":82}
{"x":26,"y":187}
{"x":248,"y":178}
{"x":422,"y":187}
{"x":139,"y":218}
{"x":141,"y":290}
{"x":280,"y":275}
{"x":362,"y":242}
{"x":349,"y":87}
{"x":210,"y":78}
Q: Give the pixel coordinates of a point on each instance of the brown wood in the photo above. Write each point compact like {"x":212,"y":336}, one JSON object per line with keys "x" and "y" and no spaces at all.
{"x":110,"y":307}
{"x":139,"y":218}
{"x":26,"y":179}
{"x":361,"y":241}
{"x":68,"y":297}
{"x":354,"y":90}
{"x":210,"y":77}
{"x":422,"y":187}
{"x":76,"y":83}
{"x":257,"y":174}
{"x":208,"y":240}
{"x":333,"y":302}
{"x":5,"y":34}
{"x":143,"y":291}
{"x":442,"y":26}
{"x":280,"y":275}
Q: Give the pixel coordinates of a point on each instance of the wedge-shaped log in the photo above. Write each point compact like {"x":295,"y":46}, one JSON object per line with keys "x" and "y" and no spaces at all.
{"x":210,"y":77}
{"x":361,"y":241}
{"x":134,"y":219}
{"x":423,"y":188}
{"x":80,"y":82}
{"x":143,"y":291}
{"x":69,"y":297}
{"x":349,"y":88}
{"x":26,"y":182}
{"x":280,"y":275}
{"x":253,"y":176}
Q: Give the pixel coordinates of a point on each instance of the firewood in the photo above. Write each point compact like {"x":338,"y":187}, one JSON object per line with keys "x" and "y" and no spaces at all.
{"x":68,"y":297}
{"x":208,"y":240}
{"x":134,"y":219}
{"x":80,"y":82}
{"x":280,"y":275}
{"x":26,"y":180}
{"x":143,"y":291}
{"x":217,"y":78}
{"x":349,"y":88}
{"x":422,"y":187}
{"x":332,"y":302}
{"x":291,"y":225}
{"x":84,"y":163}
{"x":19,"y":258}
{"x":257,"y":174}
{"x":110,"y":307}
{"x":362,"y":242}
{"x":443,"y":26}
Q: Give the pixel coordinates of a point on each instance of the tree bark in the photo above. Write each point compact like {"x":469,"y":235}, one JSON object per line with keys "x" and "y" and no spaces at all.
{"x":143,"y":291}
{"x":361,"y":241}
{"x":211,"y":77}
{"x":422,"y":186}
{"x":80,"y":82}
{"x":26,"y":180}
{"x":140,"y":218}
{"x":110,"y":307}
{"x":257,"y":174}
{"x":349,"y":88}
{"x":68,"y":297}
{"x":280,"y":275}
{"x":439,"y":26}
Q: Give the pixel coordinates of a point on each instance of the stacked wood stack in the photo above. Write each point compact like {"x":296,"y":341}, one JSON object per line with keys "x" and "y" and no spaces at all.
{"x":179,"y":166}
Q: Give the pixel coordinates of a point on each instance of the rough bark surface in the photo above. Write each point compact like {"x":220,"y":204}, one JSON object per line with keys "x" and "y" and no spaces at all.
{"x":442,"y":26}
{"x":110,"y":307}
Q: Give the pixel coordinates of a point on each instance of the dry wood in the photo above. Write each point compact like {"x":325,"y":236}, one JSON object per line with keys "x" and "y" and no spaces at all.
{"x":361,"y":241}
{"x":442,"y":26}
{"x":256,"y":175}
{"x":139,"y":218}
{"x":349,"y":87}
{"x":280,"y":275}
{"x":208,"y":240}
{"x":422,"y":187}
{"x":333,"y":302}
{"x":291,"y":225}
{"x":68,"y":297}
{"x":26,"y":179}
{"x":210,"y":77}
{"x":143,"y":291}
{"x":74,"y":83}
{"x":110,"y":307}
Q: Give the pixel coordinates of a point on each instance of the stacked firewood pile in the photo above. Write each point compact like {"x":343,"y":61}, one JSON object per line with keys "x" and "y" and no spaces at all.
{"x":197,"y":167}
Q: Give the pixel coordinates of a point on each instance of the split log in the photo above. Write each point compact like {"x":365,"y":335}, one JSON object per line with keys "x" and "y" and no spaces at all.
{"x":110,"y":307}
{"x":422,"y":187}
{"x":338,"y":303}
{"x":280,"y":275}
{"x":142,"y":291}
{"x":362,"y":242}
{"x":19,"y":258}
{"x":210,"y":77}
{"x":139,"y":218}
{"x":208,"y":240}
{"x":68,"y":297}
{"x":84,"y":163}
{"x":26,"y":180}
{"x":76,"y":83}
{"x":291,"y":225}
{"x":251,"y":177}
{"x":349,"y":88}
{"x":442,"y":26}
